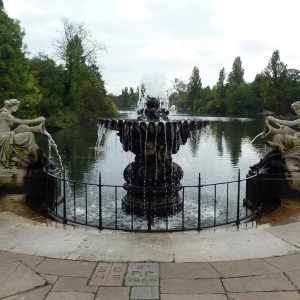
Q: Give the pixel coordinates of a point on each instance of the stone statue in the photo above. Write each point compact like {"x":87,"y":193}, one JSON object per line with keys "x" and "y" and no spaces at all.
{"x":18,"y":148}
{"x":285,"y":152}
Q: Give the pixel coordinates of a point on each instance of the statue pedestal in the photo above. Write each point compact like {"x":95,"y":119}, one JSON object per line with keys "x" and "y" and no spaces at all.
{"x":30,"y":181}
{"x":270,"y":187}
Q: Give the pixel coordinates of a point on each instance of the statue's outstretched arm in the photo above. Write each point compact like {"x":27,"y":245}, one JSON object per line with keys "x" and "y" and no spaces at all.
{"x":24,"y":121}
{"x":284,"y":122}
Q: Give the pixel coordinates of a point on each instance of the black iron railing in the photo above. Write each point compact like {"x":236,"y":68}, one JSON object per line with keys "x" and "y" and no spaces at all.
{"x":100,"y":205}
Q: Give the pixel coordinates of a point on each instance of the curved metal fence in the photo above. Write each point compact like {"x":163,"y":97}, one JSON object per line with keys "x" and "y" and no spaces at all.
{"x":100,"y":205}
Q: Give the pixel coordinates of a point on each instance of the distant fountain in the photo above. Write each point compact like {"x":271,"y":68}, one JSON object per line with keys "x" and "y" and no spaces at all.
{"x":152,"y":180}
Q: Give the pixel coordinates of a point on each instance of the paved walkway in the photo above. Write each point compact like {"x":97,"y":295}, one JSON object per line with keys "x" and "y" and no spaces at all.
{"x":41,"y":259}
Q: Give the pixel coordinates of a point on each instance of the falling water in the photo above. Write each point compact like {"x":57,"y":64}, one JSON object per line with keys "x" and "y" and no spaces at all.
{"x":52,"y":143}
{"x":252,"y":142}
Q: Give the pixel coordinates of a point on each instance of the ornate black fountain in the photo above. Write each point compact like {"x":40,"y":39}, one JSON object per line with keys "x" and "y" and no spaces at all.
{"x":152,"y":180}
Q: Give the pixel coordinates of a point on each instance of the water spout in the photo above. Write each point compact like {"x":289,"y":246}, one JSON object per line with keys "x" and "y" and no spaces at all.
{"x":252,"y":141}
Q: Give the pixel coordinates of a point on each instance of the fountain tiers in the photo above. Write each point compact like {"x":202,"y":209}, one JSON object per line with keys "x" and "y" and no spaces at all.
{"x":152,"y":180}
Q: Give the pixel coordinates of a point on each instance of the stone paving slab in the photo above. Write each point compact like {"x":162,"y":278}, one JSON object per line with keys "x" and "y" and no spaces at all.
{"x":144,"y":267}
{"x":124,"y":247}
{"x":223,"y":246}
{"x":145,"y":292}
{"x":193,"y":297}
{"x":100,"y":274}
{"x":73,"y":284}
{"x":70,"y":296}
{"x":285,"y":263}
{"x":6,"y":223}
{"x":36,"y":294}
{"x":108,"y":274}
{"x":111,"y":293}
{"x":264,"y":296}
{"x":247,"y":267}
{"x":17,"y":277}
{"x":7,"y":269}
{"x":142,"y":274}
{"x":116,"y":274}
{"x":39,"y":239}
{"x":62,"y":267}
{"x":187,"y":270}
{"x":30,"y":260}
{"x":187,"y":286}
{"x":289,"y":233}
{"x":50,"y":278}
{"x":261,"y":283}
{"x":295,"y":277}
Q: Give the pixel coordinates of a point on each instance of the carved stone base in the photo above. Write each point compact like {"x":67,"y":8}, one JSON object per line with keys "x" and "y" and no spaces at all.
{"x":31,"y":182}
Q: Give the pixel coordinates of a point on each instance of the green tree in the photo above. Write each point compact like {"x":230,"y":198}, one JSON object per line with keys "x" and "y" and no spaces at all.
{"x":193,"y":90}
{"x":13,"y":70}
{"x":78,"y":52}
{"x":274,"y":84}
{"x":294,"y":77}
{"x":178,"y":96}
{"x":50,"y":75}
{"x":125,"y":98}
{"x":15,"y":79}
{"x":256,"y":88}
{"x":220,"y":91}
{"x":236,"y":76}
{"x":133,"y":97}
{"x":240,"y":98}
{"x":207,"y":100}
{"x":292,"y":92}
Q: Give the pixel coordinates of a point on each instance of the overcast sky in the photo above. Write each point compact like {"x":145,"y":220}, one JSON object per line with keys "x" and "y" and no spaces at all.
{"x":169,"y":36}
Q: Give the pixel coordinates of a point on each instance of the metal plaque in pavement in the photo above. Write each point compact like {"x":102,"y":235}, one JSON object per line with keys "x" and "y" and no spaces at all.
{"x":142,"y":274}
{"x":109,"y":274}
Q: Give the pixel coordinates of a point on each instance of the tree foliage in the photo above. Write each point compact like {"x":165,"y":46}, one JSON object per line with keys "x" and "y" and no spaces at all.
{"x":16,"y":80}
{"x":62,"y":93}
{"x":13,"y":69}
{"x":193,"y":90}
{"x":236,"y":76}
{"x":178,"y":96}
{"x":220,"y":91}
{"x":274,"y":83}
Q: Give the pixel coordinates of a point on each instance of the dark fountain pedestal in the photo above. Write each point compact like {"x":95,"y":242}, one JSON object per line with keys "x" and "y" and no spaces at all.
{"x":152,"y":180}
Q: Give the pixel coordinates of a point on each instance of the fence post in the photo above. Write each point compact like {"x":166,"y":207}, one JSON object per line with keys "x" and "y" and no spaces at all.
{"x":65,"y":200}
{"x":47,"y":188}
{"x":238,"y":199}
{"x":199,"y":202}
{"x":100,"y":204}
{"x":149,"y":205}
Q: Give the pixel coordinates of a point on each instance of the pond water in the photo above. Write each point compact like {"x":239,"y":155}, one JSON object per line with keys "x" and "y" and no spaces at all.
{"x":216,"y":152}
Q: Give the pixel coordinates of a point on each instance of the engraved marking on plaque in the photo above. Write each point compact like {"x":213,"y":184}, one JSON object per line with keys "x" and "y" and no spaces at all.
{"x":116,"y":275}
{"x":142,"y":274}
{"x":109,"y":274}
{"x":101,"y":273}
